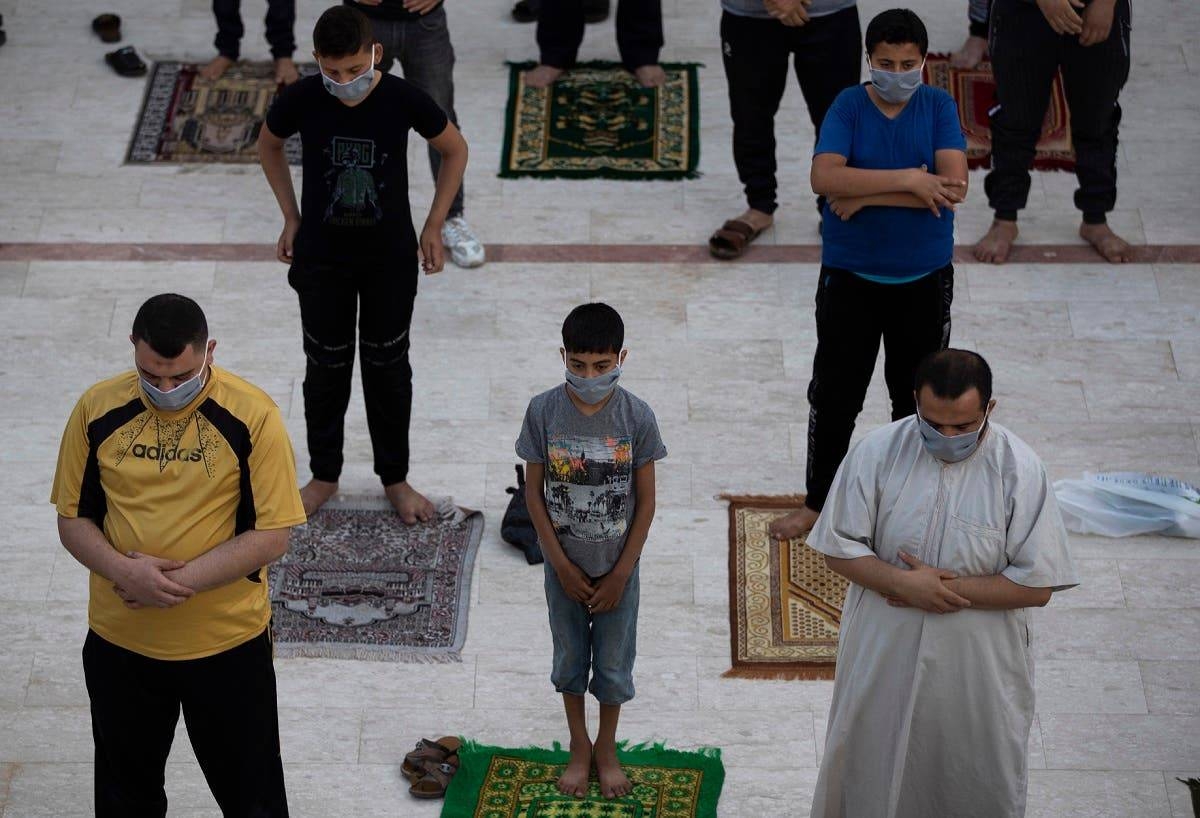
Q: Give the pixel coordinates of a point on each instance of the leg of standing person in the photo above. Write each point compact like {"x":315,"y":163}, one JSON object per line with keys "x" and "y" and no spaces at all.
{"x":1093,"y":77}
{"x":559,"y":34}
{"x":390,"y":34}
{"x":916,"y":324}
{"x":1025,"y":57}
{"x":328,"y":313}
{"x":571,"y":634}
{"x":975,"y":48}
{"x":232,"y":716}
{"x":849,"y":326}
{"x":134,"y":713}
{"x":281,"y":37}
{"x":640,"y":39}
{"x":755,"y":55}
{"x":228,"y":42}
{"x":614,"y":652}
{"x":428,"y":63}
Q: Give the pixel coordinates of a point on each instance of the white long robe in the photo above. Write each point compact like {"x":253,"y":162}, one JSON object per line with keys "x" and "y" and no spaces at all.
{"x":931,"y":712}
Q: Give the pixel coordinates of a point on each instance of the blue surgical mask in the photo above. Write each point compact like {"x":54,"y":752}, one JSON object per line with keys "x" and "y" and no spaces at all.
{"x":353,"y":89}
{"x":594,"y":390}
{"x":950,"y":449}
{"x":180,"y":396}
{"x":896,"y":86}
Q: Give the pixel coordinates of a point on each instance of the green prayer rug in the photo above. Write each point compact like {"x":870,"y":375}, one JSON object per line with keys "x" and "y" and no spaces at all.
{"x":498,"y":782}
{"x":598,"y":121}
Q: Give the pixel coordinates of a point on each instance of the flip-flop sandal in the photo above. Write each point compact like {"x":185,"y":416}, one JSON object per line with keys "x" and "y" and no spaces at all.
{"x":428,"y":751}
{"x":436,"y":780}
{"x":126,"y":62}
{"x":730,"y":241}
{"x":108,"y":26}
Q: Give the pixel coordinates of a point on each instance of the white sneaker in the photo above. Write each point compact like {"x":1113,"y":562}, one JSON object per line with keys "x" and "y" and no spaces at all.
{"x":465,"y":248}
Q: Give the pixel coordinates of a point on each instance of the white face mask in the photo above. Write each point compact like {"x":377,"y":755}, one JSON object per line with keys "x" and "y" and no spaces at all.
{"x":896,"y":86}
{"x":180,"y":396}
{"x":951,"y":448}
{"x":353,"y":89}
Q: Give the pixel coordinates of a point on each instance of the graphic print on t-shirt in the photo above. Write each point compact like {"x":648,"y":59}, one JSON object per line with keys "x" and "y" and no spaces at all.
{"x":164,"y":442}
{"x":588,"y":484}
{"x":353,"y":192}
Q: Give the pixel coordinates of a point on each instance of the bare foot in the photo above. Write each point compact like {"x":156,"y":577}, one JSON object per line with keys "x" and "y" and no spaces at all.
{"x":650,"y":76}
{"x":971,"y":54}
{"x":213,"y":71}
{"x":1107,"y":243}
{"x":574,"y":780}
{"x":613,"y":781}
{"x":794,"y":525}
{"x":316,"y":494}
{"x":285,"y":71}
{"x":543,"y":76}
{"x":409,"y":504}
{"x":995,"y":246}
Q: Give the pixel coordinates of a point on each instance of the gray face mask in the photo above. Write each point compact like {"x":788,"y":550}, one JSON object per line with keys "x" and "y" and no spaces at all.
{"x":179,"y":397}
{"x":950,"y":449}
{"x":896,"y":86}
{"x":594,"y":390}
{"x":354,"y":89}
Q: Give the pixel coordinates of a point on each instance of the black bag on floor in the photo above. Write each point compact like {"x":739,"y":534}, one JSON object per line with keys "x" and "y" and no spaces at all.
{"x":517,"y":527}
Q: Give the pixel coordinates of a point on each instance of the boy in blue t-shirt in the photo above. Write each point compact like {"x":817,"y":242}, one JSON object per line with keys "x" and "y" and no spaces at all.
{"x":891,"y":161}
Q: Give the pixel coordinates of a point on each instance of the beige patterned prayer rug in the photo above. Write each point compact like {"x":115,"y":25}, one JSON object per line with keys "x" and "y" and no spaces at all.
{"x":784,"y":604}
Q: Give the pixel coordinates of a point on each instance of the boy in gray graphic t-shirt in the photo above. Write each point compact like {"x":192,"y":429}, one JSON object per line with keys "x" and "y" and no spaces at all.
{"x":590,"y":448}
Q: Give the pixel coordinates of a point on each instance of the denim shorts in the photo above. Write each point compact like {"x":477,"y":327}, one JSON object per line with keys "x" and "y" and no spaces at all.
{"x":602,"y":646}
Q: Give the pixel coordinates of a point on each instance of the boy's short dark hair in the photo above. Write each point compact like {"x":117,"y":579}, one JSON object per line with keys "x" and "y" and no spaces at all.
{"x":595,"y":328}
{"x":168,"y":323}
{"x":951,"y":373}
{"x":897,"y":27}
{"x":342,"y":31}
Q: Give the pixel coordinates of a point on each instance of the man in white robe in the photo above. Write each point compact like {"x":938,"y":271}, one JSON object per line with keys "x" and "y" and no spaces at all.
{"x":947,"y":528}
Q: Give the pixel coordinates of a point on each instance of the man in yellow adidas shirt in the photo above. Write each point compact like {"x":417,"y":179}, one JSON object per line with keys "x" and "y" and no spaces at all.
{"x":176,"y":486}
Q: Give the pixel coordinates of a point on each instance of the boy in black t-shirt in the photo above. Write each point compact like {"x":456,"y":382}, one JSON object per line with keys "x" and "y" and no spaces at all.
{"x":351,"y":243}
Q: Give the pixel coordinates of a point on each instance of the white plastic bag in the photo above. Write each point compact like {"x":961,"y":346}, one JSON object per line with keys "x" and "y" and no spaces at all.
{"x":1123,"y":504}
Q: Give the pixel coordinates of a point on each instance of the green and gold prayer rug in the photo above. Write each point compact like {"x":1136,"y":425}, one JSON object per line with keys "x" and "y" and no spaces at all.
{"x":497,"y":782}
{"x":598,"y":121}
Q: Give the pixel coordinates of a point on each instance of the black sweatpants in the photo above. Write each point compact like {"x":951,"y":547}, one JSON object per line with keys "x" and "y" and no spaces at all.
{"x":1026,"y":54}
{"x":333,"y":299}
{"x":639,"y":32}
{"x":827,"y":52}
{"x":281,"y":20}
{"x":229,"y":707}
{"x":852,"y":315}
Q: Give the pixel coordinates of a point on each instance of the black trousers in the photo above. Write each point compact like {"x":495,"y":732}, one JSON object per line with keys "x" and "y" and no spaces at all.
{"x":380,"y":300}
{"x":852,"y":315}
{"x":229,"y":706}
{"x":1026,"y":54}
{"x":827,"y":52}
{"x":639,"y":32}
{"x":281,"y":19}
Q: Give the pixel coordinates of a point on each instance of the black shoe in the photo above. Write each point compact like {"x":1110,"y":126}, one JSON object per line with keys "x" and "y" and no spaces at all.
{"x":3,"y":36}
{"x":523,"y":12}
{"x":126,"y":62}
{"x":595,"y":11}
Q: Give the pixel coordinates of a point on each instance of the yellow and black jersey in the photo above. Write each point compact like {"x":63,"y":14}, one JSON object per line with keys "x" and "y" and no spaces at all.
{"x":175,"y":485}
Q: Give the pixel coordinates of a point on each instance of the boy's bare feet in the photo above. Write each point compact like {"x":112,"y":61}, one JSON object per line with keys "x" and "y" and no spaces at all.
{"x":285,"y":71}
{"x":650,"y":76}
{"x":796,"y":524}
{"x":1107,"y":243}
{"x":316,"y":494}
{"x":574,"y":780}
{"x":997,"y":243}
{"x":409,"y":504}
{"x":543,"y":76}
{"x":971,"y":54}
{"x":613,"y":781}
{"x":213,"y":71}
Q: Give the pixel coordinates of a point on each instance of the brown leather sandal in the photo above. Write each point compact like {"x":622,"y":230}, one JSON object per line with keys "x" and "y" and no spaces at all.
{"x":428,"y":751}
{"x":436,"y":780}
{"x":730,"y":241}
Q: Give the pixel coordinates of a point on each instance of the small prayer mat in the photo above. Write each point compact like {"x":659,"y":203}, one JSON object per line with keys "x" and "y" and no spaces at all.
{"x":187,"y":119}
{"x":357,"y":583}
{"x":974,"y":89}
{"x":497,"y":782}
{"x":785,"y":605}
{"x":598,"y":121}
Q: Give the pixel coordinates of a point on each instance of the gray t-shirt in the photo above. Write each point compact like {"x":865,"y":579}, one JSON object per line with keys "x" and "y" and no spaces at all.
{"x":757,"y":8}
{"x":590,"y":461}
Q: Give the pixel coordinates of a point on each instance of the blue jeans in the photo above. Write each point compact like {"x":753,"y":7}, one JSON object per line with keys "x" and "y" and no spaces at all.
{"x":427,"y":59}
{"x":603,"y":645}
